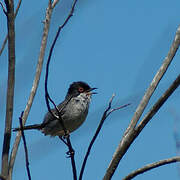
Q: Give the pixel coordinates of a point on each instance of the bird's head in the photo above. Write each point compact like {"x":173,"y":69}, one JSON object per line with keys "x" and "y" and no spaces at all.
{"x":76,"y":88}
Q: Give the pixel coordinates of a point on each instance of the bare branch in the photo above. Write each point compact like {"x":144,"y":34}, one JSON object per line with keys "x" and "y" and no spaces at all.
{"x":25,"y":147}
{"x":4,"y":9}
{"x":158,"y":104}
{"x":10,"y":86}
{"x":47,"y":96}
{"x":152,"y":166}
{"x":34,"y":86}
{"x":4,"y":44}
{"x":54,"y":3}
{"x":130,"y":133}
{"x":156,"y":80}
{"x":106,"y":113}
{"x":118,"y":108}
{"x":71,"y":154}
{"x":6,"y":38}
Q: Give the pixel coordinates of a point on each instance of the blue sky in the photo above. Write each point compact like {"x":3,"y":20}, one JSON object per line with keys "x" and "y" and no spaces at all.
{"x":115,"y":46}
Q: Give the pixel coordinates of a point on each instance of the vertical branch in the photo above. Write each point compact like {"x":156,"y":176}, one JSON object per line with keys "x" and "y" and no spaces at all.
{"x":34,"y":86}
{"x":48,"y":98}
{"x":71,"y":153}
{"x":6,"y":38}
{"x":25,"y":147}
{"x":10,"y":86}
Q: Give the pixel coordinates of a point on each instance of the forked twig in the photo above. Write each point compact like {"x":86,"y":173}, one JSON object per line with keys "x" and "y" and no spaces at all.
{"x":106,"y":113}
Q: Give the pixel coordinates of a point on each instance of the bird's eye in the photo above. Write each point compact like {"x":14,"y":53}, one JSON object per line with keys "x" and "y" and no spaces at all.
{"x":81,"y":89}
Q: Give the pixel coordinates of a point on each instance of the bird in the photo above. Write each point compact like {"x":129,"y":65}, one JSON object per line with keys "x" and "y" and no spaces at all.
{"x":73,"y":111}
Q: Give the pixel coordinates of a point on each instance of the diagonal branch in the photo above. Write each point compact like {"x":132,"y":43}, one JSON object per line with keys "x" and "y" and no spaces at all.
{"x":158,"y":104}
{"x":34,"y":86}
{"x":3,"y":8}
{"x":152,"y":166}
{"x":130,"y":133}
{"x":162,"y":70}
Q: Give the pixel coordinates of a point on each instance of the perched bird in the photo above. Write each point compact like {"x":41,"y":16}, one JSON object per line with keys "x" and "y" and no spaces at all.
{"x":73,"y":111}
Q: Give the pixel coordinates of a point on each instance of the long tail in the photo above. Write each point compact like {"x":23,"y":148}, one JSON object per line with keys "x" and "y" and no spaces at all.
{"x":34,"y":126}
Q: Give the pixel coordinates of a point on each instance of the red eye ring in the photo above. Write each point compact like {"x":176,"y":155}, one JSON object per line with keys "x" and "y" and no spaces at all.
{"x":81,"y":89}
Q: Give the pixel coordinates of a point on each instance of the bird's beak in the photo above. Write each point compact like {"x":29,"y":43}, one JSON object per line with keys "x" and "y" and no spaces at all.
{"x":89,"y":91}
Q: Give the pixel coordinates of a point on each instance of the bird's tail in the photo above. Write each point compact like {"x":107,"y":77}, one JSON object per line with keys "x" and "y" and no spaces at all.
{"x":34,"y":126}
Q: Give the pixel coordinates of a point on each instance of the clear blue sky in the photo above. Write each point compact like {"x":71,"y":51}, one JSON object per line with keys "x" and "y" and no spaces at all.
{"x":116,"y":46}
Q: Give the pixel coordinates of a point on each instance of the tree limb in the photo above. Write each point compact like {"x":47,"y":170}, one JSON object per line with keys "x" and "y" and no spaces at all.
{"x":152,"y":166}
{"x":130,"y":133}
{"x":10,"y":86}
{"x":158,"y":104}
{"x":34,"y":86}
{"x":6,"y":38}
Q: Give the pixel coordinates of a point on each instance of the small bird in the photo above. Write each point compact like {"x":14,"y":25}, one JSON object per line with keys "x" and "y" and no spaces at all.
{"x":73,"y":111}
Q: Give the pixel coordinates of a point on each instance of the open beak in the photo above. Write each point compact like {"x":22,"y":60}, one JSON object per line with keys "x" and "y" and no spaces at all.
{"x":89,"y":91}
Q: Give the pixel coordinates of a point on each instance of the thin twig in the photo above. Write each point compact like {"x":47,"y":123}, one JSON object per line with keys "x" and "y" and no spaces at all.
{"x":6,"y":38}
{"x":71,"y":154}
{"x":152,"y":166}
{"x":34,"y":86}
{"x":130,"y":134}
{"x":4,"y":9}
{"x":106,"y":113}
{"x":47,"y":96}
{"x":25,"y":146}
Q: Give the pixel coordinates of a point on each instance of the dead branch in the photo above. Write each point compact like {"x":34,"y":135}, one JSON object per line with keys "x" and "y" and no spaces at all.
{"x":106,"y":113}
{"x":6,"y":38}
{"x":130,"y":133}
{"x":152,"y":166}
{"x":162,"y":70}
{"x":158,"y":104}
{"x":10,"y":86}
{"x":34,"y":86}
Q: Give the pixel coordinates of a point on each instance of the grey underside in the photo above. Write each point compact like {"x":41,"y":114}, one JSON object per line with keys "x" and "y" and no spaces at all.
{"x":77,"y":112}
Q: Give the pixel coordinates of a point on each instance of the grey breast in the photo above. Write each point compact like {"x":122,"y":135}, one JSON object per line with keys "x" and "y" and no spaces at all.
{"x":73,"y":115}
